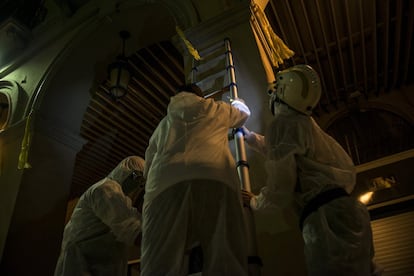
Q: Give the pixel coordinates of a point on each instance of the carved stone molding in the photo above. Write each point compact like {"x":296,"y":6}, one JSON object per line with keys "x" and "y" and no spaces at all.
{"x":13,"y":103}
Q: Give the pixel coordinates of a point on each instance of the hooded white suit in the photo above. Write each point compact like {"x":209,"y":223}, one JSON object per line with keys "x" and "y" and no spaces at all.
{"x":103,"y":224}
{"x":302,"y":161}
{"x":192,"y":194}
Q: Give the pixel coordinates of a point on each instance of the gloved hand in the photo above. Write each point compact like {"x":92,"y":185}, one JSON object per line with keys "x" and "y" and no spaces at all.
{"x":246,"y":197}
{"x":240,"y":105}
{"x":246,"y":131}
{"x":248,"y":136}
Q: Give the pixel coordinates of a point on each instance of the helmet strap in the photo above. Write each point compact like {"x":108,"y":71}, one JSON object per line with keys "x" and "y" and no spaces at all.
{"x":276,"y":100}
{"x":272,"y":109}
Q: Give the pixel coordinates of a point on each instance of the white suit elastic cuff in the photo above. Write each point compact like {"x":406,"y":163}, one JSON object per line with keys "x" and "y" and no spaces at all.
{"x":250,"y":138}
{"x":241,"y":106}
{"x":253,"y":202}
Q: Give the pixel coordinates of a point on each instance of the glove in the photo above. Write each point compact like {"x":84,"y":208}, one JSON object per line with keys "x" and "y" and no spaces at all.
{"x":240,"y":105}
{"x":248,"y":136}
{"x":246,"y":131}
{"x":247,"y":197}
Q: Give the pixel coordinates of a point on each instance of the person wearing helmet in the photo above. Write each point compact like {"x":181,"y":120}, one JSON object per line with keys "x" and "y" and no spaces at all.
{"x":308,"y":169}
{"x":192,"y":194}
{"x":103,"y":224}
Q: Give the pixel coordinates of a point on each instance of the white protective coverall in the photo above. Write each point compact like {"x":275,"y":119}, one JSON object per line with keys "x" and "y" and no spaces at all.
{"x":192,"y":193}
{"x":102,"y":226}
{"x":301,"y":162}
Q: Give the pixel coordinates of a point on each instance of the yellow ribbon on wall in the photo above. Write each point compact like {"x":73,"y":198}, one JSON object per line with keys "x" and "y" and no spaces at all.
{"x":279,"y":50}
{"x":24,"y":151}
{"x":193,"y":51}
{"x":1,"y":157}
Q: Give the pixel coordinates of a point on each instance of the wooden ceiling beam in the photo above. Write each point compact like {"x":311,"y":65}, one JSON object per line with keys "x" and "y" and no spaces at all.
{"x":167,"y":69}
{"x":327,"y":49}
{"x":178,"y":67}
{"x":92,"y":151}
{"x":280,"y":24}
{"x":408,"y":38}
{"x":155,"y":91}
{"x":89,"y":122}
{"x":158,"y":76}
{"x":397,"y":42}
{"x":351,"y":47}
{"x":339,"y":46}
{"x":129,"y":117}
{"x":293,"y":22}
{"x":375,"y":48}
{"x":96,"y":134}
{"x":321,"y":73}
{"x":386,"y":43}
{"x":363,"y":46}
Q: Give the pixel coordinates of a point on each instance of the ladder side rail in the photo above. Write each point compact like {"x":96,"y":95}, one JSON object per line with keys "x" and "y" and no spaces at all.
{"x":241,"y":156}
{"x":254,"y":261}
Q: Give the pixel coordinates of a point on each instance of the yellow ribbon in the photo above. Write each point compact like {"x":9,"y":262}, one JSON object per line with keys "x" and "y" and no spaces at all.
{"x":279,"y":50}
{"x":193,"y":51}
{"x":24,"y":151}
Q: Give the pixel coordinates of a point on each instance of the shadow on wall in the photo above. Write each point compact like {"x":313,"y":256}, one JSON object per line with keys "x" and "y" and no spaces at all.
{"x":18,"y":260}
{"x":280,"y":244}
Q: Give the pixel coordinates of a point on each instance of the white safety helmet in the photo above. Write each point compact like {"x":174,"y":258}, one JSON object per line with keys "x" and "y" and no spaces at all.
{"x":298,"y":87}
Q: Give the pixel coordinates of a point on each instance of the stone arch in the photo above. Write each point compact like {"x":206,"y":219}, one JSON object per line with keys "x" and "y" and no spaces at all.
{"x":373,"y":130}
{"x":83,"y":62}
{"x":66,"y":68}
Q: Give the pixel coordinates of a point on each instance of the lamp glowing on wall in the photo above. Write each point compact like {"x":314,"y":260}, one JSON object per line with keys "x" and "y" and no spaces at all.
{"x":366,"y":197}
{"x":119,"y":72}
{"x":377,"y":184}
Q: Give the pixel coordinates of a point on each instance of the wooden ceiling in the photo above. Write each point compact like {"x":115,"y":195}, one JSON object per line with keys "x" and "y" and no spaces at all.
{"x":360,"y":48}
{"x":117,"y":129}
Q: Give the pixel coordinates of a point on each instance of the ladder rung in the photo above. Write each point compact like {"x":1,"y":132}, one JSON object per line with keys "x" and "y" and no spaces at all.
{"x":214,"y":92}
{"x":211,"y":73}
{"x":211,"y":58}
{"x":205,"y":72}
{"x":211,"y":76}
{"x":213,"y":47}
{"x":211,"y":84}
{"x":211,"y":63}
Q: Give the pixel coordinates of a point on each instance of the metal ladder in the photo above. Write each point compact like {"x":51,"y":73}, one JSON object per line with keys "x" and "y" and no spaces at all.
{"x":210,"y":76}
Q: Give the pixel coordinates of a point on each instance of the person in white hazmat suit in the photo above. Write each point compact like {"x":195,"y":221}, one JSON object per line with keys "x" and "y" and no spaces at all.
{"x":103,"y":225}
{"x":192,"y":194}
{"x":308,"y":169}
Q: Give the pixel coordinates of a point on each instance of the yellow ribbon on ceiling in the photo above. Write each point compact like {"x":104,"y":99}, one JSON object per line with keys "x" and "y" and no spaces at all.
{"x":279,"y":50}
{"x":193,"y":51}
